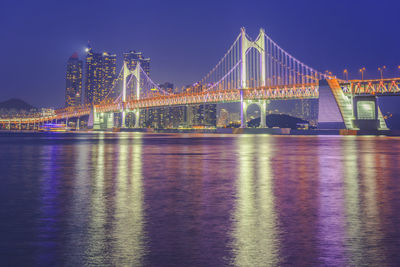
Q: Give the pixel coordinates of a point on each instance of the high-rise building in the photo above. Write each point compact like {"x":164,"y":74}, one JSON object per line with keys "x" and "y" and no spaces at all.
{"x":100,"y":74}
{"x":306,"y":109}
{"x":223,"y":118}
{"x":167,"y":87}
{"x":109,"y":74}
{"x":93,"y":76}
{"x":73,"y":81}
{"x":203,"y":115}
{"x":132,"y":58}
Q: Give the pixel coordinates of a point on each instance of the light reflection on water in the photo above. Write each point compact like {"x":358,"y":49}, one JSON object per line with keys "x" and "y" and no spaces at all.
{"x":254,"y":217}
{"x":352,"y":202}
{"x":331,"y":218}
{"x":129,"y":217}
{"x":133,"y":199}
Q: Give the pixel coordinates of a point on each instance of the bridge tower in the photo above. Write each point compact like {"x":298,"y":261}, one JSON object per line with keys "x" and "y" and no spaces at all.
{"x":136,"y":74}
{"x":259,"y":45}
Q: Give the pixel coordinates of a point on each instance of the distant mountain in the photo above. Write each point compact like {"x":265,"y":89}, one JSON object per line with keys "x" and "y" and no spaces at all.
{"x":16,"y":104}
{"x":278,"y":120}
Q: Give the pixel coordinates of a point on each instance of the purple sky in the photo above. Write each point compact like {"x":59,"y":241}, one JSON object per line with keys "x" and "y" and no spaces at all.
{"x":185,"y":39}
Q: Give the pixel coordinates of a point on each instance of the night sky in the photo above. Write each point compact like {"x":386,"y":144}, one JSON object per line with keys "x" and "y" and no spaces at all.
{"x":185,"y":39}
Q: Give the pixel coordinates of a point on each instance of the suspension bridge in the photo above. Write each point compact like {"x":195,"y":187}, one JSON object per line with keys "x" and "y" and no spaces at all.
{"x":252,"y":71}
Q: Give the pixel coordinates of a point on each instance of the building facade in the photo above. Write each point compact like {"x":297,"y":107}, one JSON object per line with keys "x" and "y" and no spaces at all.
{"x":73,"y":81}
{"x":203,"y":115}
{"x":167,"y":87}
{"x":132,"y":58}
{"x":99,"y":76}
{"x":109,"y":74}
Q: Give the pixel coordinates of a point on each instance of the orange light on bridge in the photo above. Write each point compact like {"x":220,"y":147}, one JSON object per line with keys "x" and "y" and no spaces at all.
{"x":345,"y":75}
{"x":381,"y":71}
{"x":362,"y":73}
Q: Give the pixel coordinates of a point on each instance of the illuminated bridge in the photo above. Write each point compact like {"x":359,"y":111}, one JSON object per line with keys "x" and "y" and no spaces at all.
{"x":250,"y":72}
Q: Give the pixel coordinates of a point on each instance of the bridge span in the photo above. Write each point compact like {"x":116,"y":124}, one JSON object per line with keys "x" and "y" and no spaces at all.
{"x":251,"y":71}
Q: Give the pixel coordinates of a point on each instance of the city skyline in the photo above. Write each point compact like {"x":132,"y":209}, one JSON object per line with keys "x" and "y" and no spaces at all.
{"x":176,"y":57}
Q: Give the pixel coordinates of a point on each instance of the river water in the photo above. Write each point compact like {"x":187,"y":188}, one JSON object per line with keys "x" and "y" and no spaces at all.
{"x":134,"y":199}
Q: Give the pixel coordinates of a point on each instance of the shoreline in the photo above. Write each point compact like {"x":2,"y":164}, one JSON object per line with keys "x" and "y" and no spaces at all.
{"x":256,"y":131}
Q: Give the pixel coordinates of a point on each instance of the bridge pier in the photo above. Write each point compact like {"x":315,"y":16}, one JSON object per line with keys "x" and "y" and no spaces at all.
{"x":263,"y":114}
{"x":109,"y":120}
{"x":262,"y":104}
{"x":123,"y":119}
{"x":367,"y":114}
{"x":243,"y":109}
{"x":97,"y":118}
{"x":137,"y":118}
{"x":188,"y":116}
{"x":77,"y":124}
{"x":337,"y":111}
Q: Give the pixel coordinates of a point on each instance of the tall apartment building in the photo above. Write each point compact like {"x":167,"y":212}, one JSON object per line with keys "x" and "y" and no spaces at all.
{"x":132,"y":58}
{"x":73,"y":81}
{"x":99,"y":76}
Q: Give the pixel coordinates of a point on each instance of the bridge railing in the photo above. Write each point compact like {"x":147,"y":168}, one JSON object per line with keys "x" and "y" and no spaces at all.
{"x":390,"y":86}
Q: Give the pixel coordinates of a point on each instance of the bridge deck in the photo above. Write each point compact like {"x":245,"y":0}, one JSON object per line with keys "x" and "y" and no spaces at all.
{"x":382,"y":87}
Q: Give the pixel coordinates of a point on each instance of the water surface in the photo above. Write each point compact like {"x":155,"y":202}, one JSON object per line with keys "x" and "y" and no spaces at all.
{"x":133,"y":199}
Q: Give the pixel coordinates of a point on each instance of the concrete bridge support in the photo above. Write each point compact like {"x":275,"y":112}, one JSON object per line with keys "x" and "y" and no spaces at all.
{"x":188,"y":116}
{"x":335,"y":110}
{"x":97,"y":118}
{"x":137,"y":118}
{"x":123,"y":119}
{"x":338,"y":111}
{"x":262,"y":104}
{"x":109,"y":118}
{"x":128,"y":113}
{"x":367,"y":115}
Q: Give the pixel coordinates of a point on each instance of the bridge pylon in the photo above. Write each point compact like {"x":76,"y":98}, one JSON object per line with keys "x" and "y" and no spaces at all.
{"x":259,"y":45}
{"x":94,"y":119}
{"x":246,"y":44}
{"x":136,"y":73}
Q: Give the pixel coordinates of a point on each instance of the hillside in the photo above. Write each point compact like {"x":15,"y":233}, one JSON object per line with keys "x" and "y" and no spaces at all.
{"x":16,"y":104}
{"x":278,"y":120}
